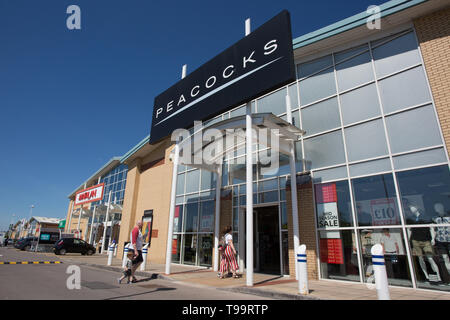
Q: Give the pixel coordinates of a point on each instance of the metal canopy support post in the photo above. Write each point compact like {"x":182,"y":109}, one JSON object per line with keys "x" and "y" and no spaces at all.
{"x":217,"y":218}
{"x":106,"y":220}
{"x":176,"y":155}
{"x":71,"y":213}
{"x":249,"y":206}
{"x":79,"y":218}
{"x":293,"y":187}
{"x":249,"y":174}
{"x":92,"y":224}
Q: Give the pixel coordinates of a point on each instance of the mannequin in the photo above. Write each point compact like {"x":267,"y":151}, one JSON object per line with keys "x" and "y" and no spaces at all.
{"x":421,"y":243}
{"x":441,"y":238}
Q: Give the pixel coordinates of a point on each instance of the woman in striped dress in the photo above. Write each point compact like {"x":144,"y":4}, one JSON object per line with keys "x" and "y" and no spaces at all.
{"x":228,"y":259}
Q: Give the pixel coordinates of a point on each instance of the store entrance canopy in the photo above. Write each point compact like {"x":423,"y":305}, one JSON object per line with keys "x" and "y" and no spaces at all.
{"x":233,"y":130}
{"x":229,"y":135}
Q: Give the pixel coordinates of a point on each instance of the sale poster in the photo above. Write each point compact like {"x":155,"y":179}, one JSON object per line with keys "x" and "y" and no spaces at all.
{"x":384,"y":212}
{"x":326,"y":205}
{"x":331,"y":251}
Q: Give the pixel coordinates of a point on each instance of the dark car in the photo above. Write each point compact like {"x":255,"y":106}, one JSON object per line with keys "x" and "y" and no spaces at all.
{"x":73,"y":245}
{"x":25,"y":243}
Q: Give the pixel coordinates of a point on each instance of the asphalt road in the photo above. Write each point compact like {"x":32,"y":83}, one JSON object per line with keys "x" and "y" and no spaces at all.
{"x":49,"y":282}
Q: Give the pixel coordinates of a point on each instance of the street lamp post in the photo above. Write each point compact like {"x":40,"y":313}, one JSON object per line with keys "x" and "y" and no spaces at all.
{"x":31,"y":214}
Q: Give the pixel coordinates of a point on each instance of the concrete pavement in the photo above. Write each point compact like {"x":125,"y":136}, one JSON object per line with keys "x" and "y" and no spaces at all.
{"x":272,"y":286}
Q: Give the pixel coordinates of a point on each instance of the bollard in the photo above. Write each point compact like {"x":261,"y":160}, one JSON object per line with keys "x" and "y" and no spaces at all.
{"x":302,"y":270}
{"x":110,"y":254}
{"x":144,"y":257}
{"x":125,"y":252}
{"x":379,"y":268}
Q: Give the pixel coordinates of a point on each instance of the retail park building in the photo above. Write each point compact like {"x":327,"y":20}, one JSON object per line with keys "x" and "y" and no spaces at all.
{"x":372,"y":167}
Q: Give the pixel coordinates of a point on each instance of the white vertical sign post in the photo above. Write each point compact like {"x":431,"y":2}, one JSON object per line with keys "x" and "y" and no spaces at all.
{"x":106,"y":220}
{"x":217,"y":218}
{"x":249,"y":174}
{"x":302,"y":270}
{"x":110,"y":254}
{"x":176,"y":157}
{"x":379,"y":268}
{"x":124,"y":259}
{"x":293,"y":184}
{"x":144,"y":257}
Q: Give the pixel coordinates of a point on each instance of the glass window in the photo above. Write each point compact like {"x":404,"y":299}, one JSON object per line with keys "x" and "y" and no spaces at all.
{"x":343,"y":55}
{"x":430,"y":258}
{"x":376,"y":201}
{"x":268,"y":185}
{"x":293,"y":94}
{"x":325,"y":150}
{"x":267,"y":197}
{"x":354,"y":72}
{"x":180,"y":184}
{"x":299,"y":161}
{"x":274,"y":102}
{"x":360,"y":104}
{"x":370,"y":167}
{"x":190,"y":248}
{"x":192,"y":181}
{"x":285,"y":251}
{"x":333,"y":205}
{"x":238,"y":112}
{"x":207,"y":210}
{"x":395,"y":257}
{"x":178,"y":218}
{"x":420,"y":158}
{"x":317,"y":87}
{"x":205,"y":249}
{"x":321,"y":117}
{"x":366,"y":140}
{"x":176,"y":248}
{"x":413,"y":129}
{"x":330,"y":174}
{"x":310,"y":67}
{"x":396,"y":54}
{"x":284,"y":218}
{"x":236,"y":219}
{"x":208,"y":180}
{"x":191,"y":217}
{"x":338,"y":257}
{"x":405,"y":89}
{"x":425,"y":194}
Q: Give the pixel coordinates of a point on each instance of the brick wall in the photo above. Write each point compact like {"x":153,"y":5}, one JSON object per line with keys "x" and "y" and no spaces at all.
{"x":433,"y":33}
{"x":307,"y":228}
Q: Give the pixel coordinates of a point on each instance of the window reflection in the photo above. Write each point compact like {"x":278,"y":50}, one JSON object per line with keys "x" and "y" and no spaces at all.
{"x":430,"y":258}
{"x":376,"y":201}
{"x":333,"y":205}
{"x":425,"y":194}
{"x":338,"y":257}
{"x":394,"y":254}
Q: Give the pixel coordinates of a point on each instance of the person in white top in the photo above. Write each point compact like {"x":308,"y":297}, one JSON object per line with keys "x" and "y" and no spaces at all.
{"x":136,"y":242}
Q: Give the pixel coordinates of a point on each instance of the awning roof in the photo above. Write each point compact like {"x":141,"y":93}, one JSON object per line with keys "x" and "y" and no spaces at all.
{"x":234,"y":128}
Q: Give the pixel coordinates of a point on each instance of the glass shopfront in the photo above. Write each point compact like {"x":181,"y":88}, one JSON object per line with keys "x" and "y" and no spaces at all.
{"x":101,"y":217}
{"x":376,"y":177}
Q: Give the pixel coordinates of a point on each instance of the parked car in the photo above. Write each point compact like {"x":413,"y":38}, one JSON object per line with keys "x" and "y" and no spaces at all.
{"x":25,"y":243}
{"x":73,"y":245}
{"x":17,"y":242}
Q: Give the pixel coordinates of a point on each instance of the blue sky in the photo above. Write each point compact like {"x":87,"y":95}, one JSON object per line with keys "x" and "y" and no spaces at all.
{"x":70,"y":100}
